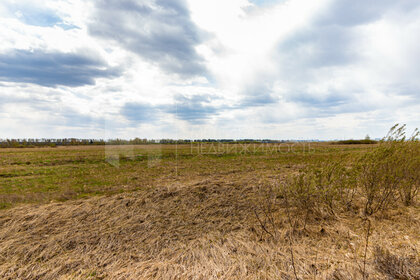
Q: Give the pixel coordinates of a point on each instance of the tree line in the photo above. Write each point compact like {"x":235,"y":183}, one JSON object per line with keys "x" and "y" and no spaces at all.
{"x":53,"y":142}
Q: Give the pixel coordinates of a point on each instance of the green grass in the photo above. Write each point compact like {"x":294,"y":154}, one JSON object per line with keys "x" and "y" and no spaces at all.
{"x":38,"y":175}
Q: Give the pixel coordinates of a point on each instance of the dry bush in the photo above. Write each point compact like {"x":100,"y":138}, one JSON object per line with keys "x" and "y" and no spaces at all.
{"x":390,"y":171}
{"x":336,"y":187}
{"x":300,"y":199}
{"x":410,"y":183}
{"x":380,"y":178}
{"x":318,"y":192}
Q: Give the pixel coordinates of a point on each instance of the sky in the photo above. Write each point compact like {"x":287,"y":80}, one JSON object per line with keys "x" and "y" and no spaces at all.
{"x":194,"y":69}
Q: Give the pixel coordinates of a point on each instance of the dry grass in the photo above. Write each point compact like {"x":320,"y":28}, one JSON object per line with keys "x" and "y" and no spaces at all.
{"x":222,"y":216}
{"x":202,"y":230}
{"x":397,"y":267}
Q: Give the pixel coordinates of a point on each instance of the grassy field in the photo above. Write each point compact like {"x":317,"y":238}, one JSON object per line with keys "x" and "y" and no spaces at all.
{"x":201,"y":212}
{"x":45,"y":174}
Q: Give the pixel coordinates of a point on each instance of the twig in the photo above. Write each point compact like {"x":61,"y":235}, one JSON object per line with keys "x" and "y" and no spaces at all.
{"x":263,"y":224}
{"x":290,"y":235}
{"x":315,"y":270}
{"x":366,"y":246}
{"x":269,"y":215}
{"x":292,"y":256}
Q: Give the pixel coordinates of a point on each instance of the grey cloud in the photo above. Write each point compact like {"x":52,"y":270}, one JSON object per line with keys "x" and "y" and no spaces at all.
{"x":412,"y":91}
{"x":160,"y":31}
{"x":319,"y":46}
{"x":356,"y":12}
{"x":353,"y":12}
{"x":193,"y":109}
{"x":327,"y":44}
{"x":259,"y":94}
{"x":331,"y":39}
{"x":140,"y":112}
{"x":331,"y":99}
{"x":332,"y":102}
{"x":52,"y":69}
{"x":48,"y":103}
{"x":5,"y":100}
{"x":73,"y":118}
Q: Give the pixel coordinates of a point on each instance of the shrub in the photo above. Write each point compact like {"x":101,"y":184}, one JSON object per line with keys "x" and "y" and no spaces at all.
{"x":410,"y":171}
{"x":321,"y":190}
{"x":335,"y":186}
{"x":390,"y":171}
{"x":379,"y":177}
{"x":354,"y":142}
{"x":301,"y":197}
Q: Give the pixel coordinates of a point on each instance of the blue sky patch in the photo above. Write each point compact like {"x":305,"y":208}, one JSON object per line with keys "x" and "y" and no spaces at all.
{"x":38,"y":16}
{"x":264,"y":2}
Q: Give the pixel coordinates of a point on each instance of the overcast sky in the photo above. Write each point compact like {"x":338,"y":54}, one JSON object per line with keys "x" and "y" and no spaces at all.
{"x":280,"y":69}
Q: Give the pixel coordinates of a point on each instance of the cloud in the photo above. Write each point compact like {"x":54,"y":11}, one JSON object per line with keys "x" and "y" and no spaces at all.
{"x":329,"y":66}
{"x":357,"y":12}
{"x":265,"y":2}
{"x":258,"y":94}
{"x":52,"y":69}
{"x":32,"y":108}
{"x":140,"y":112}
{"x":328,"y":101}
{"x":270,"y":68}
{"x":318,"y":46}
{"x":194,"y":109}
{"x":159,"y":31}
{"x":73,"y":118}
{"x":334,"y":36}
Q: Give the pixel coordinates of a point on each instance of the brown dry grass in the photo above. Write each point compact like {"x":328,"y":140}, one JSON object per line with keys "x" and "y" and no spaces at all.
{"x":213,"y":216}
{"x":205,"y":229}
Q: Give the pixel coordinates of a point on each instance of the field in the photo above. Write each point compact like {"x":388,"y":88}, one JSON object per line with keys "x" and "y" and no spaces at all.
{"x":39,"y":175}
{"x":203,"y":211}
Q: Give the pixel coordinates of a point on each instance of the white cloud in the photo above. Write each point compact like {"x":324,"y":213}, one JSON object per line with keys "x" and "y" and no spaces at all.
{"x":255,"y":69}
